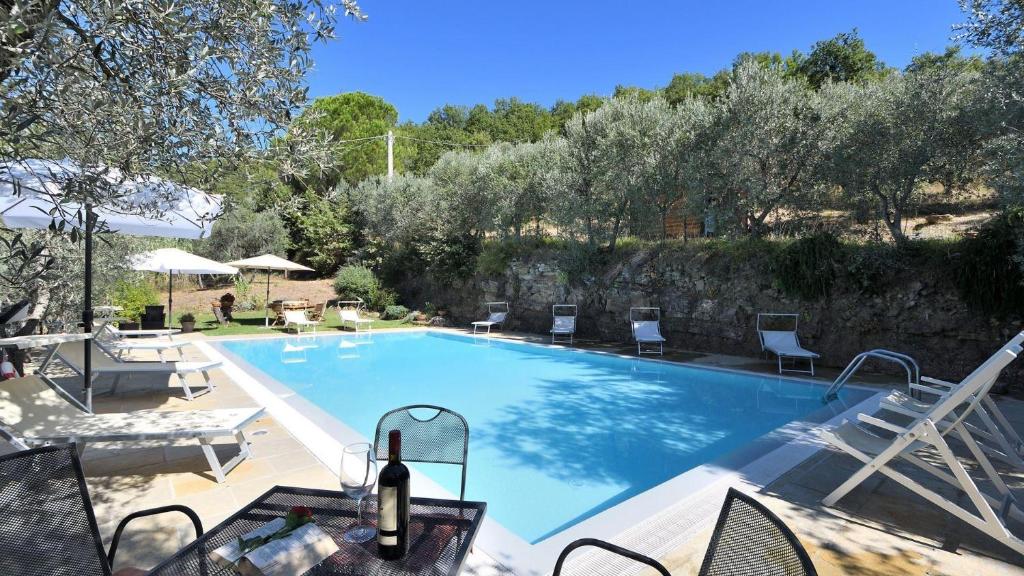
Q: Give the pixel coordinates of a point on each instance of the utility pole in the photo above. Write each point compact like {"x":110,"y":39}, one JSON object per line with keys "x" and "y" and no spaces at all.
{"x":391,"y":155}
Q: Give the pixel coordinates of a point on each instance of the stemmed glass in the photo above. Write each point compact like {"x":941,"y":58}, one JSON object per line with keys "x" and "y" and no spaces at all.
{"x":358,"y":475}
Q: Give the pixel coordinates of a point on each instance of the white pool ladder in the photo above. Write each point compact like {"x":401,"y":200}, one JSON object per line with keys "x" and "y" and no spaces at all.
{"x":908,"y":363}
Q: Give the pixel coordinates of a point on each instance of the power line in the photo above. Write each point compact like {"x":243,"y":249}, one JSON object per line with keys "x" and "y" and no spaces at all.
{"x":382,"y":136}
{"x":443,"y":143}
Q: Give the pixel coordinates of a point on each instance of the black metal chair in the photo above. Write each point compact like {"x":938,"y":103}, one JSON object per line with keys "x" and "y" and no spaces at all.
{"x":48,"y":526}
{"x":611,"y":548}
{"x":440,"y":439}
{"x":748,"y":540}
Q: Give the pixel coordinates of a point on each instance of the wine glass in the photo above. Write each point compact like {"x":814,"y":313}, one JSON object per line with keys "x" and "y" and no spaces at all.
{"x":358,"y":475}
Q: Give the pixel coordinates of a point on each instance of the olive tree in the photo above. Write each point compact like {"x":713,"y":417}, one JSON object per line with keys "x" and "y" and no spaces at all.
{"x":153,"y":86}
{"x":396,"y":212}
{"x":765,"y":145}
{"x":605,"y":167}
{"x":513,"y":176}
{"x":899,"y":133}
{"x":462,"y":205}
{"x":995,"y":24}
{"x":178,"y":89}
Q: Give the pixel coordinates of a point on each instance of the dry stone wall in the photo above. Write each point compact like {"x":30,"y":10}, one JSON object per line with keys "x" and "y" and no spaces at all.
{"x":710,"y":304}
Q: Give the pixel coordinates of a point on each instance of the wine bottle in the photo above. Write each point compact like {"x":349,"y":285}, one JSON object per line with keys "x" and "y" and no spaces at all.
{"x":393,"y":503}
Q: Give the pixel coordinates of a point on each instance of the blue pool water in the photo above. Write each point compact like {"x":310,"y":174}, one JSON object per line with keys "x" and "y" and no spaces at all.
{"x":556,"y":435}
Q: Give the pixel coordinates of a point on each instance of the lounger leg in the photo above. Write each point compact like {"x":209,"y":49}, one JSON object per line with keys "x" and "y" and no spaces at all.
{"x":780,"y":363}
{"x":209,"y":381}
{"x":160,"y":355}
{"x":996,"y":434}
{"x":113,"y":386}
{"x":211,"y":458}
{"x":871,"y":465}
{"x":994,"y":528}
{"x":1004,"y":424}
{"x":184,"y":386}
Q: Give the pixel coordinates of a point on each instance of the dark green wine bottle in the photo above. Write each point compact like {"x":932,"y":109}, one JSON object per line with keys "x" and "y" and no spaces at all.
{"x":393,"y":503}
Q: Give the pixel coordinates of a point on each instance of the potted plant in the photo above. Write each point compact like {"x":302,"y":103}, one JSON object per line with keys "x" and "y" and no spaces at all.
{"x":188,"y":322}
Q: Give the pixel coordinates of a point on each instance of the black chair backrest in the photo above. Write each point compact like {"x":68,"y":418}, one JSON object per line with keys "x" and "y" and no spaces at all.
{"x":749,"y":539}
{"x":619,"y":550}
{"x":48,"y":527}
{"x":154,"y":312}
{"x":440,"y":439}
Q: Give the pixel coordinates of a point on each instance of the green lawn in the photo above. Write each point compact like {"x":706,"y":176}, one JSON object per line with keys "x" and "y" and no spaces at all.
{"x":252,"y":323}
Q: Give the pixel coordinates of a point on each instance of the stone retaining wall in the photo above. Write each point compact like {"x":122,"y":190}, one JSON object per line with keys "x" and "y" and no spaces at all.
{"x":710,"y":305}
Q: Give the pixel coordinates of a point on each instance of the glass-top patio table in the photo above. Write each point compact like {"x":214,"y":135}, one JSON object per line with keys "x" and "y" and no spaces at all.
{"x":441,"y":533}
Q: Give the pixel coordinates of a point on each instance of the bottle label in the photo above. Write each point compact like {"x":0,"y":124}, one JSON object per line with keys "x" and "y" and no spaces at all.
{"x":387,"y":521}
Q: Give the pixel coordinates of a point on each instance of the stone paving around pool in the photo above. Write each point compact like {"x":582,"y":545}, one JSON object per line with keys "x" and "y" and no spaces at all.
{"x":879,"y":529}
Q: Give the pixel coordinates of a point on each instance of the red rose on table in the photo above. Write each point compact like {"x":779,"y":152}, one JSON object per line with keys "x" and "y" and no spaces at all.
{"x":301,"y":512}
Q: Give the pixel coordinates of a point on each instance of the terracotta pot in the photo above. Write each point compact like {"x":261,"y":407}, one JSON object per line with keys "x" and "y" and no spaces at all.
{"x":187,"y":327}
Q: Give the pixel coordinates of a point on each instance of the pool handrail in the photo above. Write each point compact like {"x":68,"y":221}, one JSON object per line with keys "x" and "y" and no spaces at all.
{"x":907,"y":362}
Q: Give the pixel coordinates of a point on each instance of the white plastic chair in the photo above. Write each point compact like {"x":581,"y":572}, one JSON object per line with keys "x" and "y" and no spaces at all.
{"x":298,"y":319}
{"x":784,"y":343}
{"x":563,"y":323}
{"x":497,"y":313}
{"x":646,"y":331}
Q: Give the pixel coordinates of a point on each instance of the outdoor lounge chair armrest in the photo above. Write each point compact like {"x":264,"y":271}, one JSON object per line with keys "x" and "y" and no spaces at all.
{"x":196,"y":522}
{"x":610,"y":548}
{"x":936,"y":381}
{"x":927,"y":389}
{"x":884,"y":424}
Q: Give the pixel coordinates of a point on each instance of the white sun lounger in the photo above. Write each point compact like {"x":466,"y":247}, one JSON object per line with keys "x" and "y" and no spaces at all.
{"x":351,"y":315}
{"x":646,"y":331}
{"x":118,"y":347}
{"x":563,"y":323}
{"x":298,"y":319}
{"x":497,"y":313}
{"x":73,"y":355}
{"x":149,"y":333}
{"x":784,"y":343}
{"x":986,"y":512}
{"x":34,"y":414}
{"x":995,"y":435}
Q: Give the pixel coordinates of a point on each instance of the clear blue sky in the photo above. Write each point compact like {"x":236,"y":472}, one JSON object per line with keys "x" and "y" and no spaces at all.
{"x":419,"y":55}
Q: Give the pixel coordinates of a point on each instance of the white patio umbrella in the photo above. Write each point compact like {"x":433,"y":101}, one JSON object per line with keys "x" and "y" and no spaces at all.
{"x":35,"y":193}
{"x":172,"y":261}
{"x":268,"y":262}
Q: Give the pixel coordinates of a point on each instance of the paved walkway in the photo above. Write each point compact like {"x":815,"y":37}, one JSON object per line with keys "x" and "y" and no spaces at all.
{"x":880,"y":529}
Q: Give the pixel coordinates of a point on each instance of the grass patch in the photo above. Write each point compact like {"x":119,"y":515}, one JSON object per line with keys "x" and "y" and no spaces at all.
{"x":245,"y":323}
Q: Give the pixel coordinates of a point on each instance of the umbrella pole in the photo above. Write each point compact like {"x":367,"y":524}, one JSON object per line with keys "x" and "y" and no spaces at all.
{"x":266,"y":309}
{"x":87,"y":311}
{"x":170,"y":298}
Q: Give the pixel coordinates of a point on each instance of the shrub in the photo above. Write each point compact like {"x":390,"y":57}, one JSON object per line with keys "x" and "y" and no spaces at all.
{"x":187,"y":317}
{"x":133,"y":296}
{"x":871,"y":268}
{"x":986,"y":274}
{"x":241,"y":232}
{"x":807,"y":267}
{"x":394,"y":312}
{"x":246,"y":299}
{"x":384,"y":298}
{"x":451,"y":258}
{"x":354,"y":282}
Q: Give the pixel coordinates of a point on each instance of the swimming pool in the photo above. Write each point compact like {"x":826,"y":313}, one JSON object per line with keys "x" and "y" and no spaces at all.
{"x":556,"y":435}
